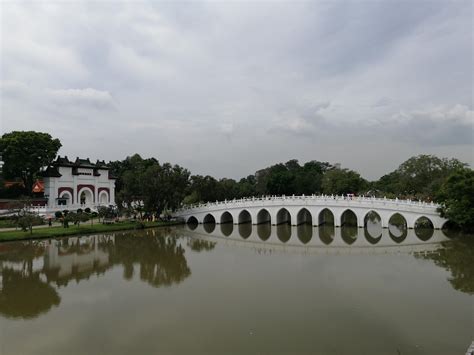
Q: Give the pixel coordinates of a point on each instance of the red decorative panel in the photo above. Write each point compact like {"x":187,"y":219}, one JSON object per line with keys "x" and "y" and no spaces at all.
{"x":69,"y":189}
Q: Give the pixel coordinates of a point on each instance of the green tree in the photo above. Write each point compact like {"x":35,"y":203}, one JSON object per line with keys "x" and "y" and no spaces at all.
{"x":420,"y":176}
{"x":101,"y":212}
{"x":163,"y":187}
{"x":456,"y":196}
{"x":25,"y":153}
{"x":27,"y":220}
{"x":342,"y":181}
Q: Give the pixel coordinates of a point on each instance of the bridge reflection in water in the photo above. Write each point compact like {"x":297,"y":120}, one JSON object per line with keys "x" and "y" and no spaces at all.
{"x":324,"y":237}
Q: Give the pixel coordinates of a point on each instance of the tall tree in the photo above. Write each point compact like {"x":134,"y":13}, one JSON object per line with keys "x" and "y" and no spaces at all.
{"x":25,"y":153}
{"x":420,"y":176}
{"x":457,"y":198}
{"x":342,"y":181}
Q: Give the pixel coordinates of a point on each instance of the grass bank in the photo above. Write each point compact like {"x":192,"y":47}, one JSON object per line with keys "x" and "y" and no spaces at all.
{"x":85,"y":228}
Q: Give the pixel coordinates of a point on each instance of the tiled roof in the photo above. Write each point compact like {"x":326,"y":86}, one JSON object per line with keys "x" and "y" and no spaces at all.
{"x":83,"y":163}
{"x":38,"y":186}
{"x":51,"y":171}
{"x":79,"y":163}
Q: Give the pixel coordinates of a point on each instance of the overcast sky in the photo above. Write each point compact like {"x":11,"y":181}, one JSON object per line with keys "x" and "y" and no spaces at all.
{"x":227,"y":88}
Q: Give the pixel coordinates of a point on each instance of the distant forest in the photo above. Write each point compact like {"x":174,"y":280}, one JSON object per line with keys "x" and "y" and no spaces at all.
{"x":152,"y":187}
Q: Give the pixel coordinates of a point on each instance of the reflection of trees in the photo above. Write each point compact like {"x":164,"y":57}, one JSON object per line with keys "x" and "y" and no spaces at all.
{"x":161,"y":259}
{"x":23,"y":252}
{"x":349,"y":234}
{"x":457,"y":257}
{"x":200,"y":245}
{"x":24,"y":295}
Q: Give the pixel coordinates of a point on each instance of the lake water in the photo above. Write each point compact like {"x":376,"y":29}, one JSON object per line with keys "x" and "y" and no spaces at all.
{"x":228,"y":289}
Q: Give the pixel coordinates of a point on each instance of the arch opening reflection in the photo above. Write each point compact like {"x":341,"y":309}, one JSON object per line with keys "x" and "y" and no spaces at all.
{"x":424,"y":228}
{"x":397,"y":228}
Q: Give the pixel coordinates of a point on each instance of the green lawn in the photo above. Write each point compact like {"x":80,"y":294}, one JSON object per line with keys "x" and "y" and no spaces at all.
{"x":75,"y":230}
{"x":7,"y":223}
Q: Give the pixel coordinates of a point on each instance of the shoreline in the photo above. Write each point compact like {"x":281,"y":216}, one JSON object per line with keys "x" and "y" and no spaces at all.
{"x":84,"y":229}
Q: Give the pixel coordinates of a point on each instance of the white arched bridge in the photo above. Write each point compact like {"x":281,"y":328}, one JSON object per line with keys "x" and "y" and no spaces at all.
{"x":313,"y":210}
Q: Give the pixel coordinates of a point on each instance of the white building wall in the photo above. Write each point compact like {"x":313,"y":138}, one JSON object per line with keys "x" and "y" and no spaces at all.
{"x":68,"y":180}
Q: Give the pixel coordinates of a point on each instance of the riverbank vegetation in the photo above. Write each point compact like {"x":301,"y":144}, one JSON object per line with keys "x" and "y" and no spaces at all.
{"x":51,"y":232}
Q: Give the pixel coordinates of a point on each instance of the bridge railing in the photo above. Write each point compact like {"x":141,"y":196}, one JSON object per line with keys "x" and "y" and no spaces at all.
{"x":282,"y":198}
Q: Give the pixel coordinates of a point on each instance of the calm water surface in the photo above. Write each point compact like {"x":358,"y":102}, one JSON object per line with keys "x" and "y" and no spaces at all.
{"x":228,"y":289}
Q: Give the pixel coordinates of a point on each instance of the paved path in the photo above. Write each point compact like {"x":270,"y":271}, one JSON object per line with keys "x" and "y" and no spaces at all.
{"x":34,"y":227}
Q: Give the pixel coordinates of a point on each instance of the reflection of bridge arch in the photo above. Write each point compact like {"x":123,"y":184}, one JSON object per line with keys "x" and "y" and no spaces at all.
{"x":323,"y":238}
{"x":227,"y":228}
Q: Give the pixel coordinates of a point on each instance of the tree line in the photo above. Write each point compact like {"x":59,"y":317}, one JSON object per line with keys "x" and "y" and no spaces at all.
{"x":148,"y":187}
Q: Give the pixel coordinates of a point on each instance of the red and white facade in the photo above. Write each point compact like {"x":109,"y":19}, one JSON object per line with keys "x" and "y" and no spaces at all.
{"x":80,"y":184}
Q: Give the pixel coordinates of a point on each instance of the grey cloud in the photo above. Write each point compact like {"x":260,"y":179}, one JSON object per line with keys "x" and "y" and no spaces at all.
{"x":82,"y":97}
{"x":200,"y":83}
{"x":440,"y":126}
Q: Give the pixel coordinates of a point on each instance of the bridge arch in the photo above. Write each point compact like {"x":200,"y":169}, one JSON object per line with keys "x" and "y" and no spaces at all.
{"x":424,"y":228}
{"x":263,"y":216}
{"x":372,"y":216}
{"x":397,"y":227}
{"x":349,"y":218}
{"x":283,"y":217}
{"x":209,"y":218}
{"x":304,"y":217}
{"x":226,"y":217}
{"x":326,"y":217}
{"x":373,"y":227}
{"x":244,"y":217}
{"x":192,"y":222}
